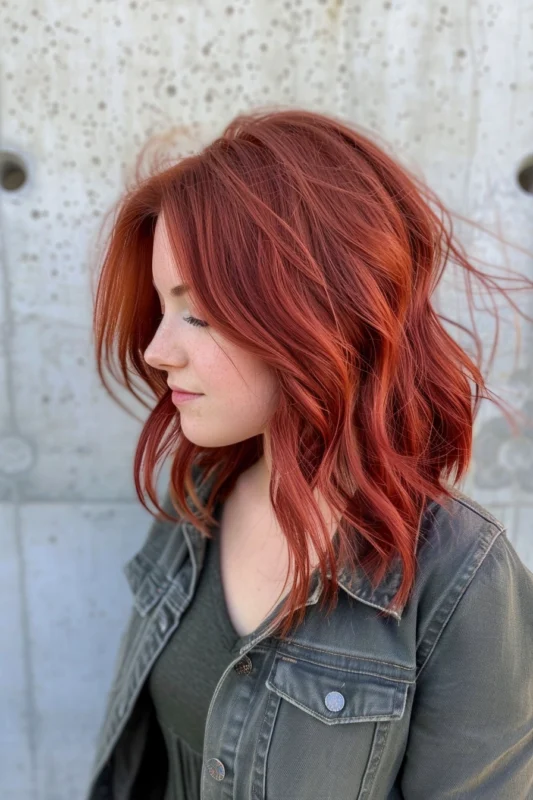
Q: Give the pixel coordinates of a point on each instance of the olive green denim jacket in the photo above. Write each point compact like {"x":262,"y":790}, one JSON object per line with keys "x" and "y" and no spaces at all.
{"x":432,"y":701}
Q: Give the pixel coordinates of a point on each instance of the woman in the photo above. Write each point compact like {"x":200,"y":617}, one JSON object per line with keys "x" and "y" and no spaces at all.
{"x":283,"y":276}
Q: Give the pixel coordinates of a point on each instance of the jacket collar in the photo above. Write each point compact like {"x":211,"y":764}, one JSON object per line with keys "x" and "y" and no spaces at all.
{"x":355,"y":583}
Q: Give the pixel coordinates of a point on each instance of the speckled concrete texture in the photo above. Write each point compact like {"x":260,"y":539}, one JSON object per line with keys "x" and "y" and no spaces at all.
{"x":83,"y":86}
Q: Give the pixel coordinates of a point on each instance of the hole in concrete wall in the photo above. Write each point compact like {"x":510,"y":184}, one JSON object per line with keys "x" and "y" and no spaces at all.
{"x":13,"y":172}
{"x":525,"y":175}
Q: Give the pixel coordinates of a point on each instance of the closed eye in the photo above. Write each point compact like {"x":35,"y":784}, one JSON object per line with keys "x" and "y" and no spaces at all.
{"x":195,"y":321}
{"x":189,"y":320}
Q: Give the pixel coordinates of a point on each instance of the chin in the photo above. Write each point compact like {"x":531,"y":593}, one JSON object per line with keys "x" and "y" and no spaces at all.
{"x":202,"y":438}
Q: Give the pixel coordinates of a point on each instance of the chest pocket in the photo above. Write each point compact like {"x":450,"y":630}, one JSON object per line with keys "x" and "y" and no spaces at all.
{"x":334,"y":695}
{"x":330,"y":725}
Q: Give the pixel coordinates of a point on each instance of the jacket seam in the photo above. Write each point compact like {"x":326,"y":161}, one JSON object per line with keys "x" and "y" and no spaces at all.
{"x":491,"y":520}
{"x":454,"y":606}
{"x":356,"y":657}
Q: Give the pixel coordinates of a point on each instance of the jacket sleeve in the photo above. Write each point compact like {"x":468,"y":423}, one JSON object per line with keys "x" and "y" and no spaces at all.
{"x":471,"y":730}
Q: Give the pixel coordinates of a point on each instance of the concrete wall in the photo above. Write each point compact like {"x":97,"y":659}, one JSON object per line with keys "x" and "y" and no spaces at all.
{"x":83,"y":85}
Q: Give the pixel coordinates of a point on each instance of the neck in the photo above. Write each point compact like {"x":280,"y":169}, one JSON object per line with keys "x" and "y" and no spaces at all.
{"x":255,"y":483}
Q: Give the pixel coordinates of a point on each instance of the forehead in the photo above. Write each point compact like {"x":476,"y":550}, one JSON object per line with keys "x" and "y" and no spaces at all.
{"x":165,"y":271}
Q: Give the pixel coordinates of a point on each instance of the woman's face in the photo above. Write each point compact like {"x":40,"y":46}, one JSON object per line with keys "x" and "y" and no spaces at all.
{"x":238,"y":391}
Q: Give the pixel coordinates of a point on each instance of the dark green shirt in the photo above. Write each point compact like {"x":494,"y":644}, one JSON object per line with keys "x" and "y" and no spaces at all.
{"x":184,"y":677}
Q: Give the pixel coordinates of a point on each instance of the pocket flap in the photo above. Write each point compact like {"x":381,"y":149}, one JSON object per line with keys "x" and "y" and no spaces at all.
{"x":337,"y":695}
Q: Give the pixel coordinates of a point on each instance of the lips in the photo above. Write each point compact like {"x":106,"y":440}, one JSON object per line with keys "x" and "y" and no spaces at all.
{"x":184,"y":397}
{"x":182,"y":391}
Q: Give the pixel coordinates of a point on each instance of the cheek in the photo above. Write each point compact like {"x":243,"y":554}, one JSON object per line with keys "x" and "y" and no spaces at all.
{"x":258,"y":398}
{"x":239,"y":401}
{"x":246,"y":389}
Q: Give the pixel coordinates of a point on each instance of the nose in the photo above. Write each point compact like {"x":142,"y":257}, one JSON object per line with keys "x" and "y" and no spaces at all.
{"x":164,"y":352}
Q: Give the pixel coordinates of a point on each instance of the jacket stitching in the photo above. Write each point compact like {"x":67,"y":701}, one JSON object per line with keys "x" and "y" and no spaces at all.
{"x":294,"y":643}
{"x":442,"y":610}
{"x":491,"y":519}
{"x":391,"y":679}
{"x":378,"y":745}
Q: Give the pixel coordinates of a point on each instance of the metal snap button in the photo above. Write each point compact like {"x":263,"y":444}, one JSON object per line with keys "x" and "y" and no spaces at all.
{"x":334,"y":701}
{"x":216,"y":768}
{"x":244,"y":666}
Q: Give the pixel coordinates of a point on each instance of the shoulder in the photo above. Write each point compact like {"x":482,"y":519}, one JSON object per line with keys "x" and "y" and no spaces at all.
{"x":472,"y":715}
{"x":456,"y":537}
{"x":470,"y":576}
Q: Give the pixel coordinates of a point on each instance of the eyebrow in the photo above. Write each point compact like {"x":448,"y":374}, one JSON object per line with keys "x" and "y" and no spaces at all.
{"x":177,"y":291}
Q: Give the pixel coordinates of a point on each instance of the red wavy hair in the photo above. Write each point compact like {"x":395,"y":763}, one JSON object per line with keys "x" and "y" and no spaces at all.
{"x":305,"y":242}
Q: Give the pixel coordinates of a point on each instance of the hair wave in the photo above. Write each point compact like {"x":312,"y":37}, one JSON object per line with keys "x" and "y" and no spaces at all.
{"x":305,"y":242}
